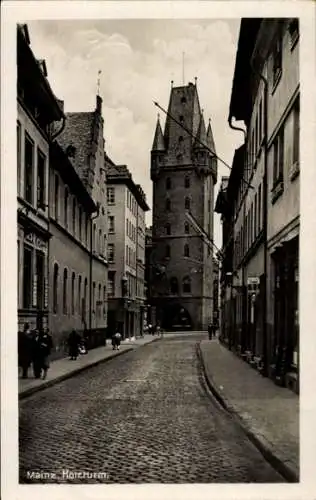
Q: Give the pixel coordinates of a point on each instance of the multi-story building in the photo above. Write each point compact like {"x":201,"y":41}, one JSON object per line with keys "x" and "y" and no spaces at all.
{"x":37,"y":109}
{"x":71,"y":208}
{"x":82,"y":140}
{"x":148,"y":249}
{"x":183,"y":171}
{"x":126,"y":251}
{"x":263,"y":197}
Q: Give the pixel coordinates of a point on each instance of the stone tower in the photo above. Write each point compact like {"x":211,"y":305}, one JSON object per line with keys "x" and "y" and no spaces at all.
{"x":183,"y":172}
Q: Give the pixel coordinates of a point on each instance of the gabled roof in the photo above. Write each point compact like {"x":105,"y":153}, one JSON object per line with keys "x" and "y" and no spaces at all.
{"x":119,"y":174}
{"x":159,"y":142}
{"x":78,"y":133}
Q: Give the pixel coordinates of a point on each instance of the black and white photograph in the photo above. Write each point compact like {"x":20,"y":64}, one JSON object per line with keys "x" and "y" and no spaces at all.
{"x":157,"y":182}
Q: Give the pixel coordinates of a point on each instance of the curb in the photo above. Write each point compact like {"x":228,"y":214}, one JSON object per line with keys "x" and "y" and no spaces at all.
{"x":286,"y":471}
{"x":50,"y":383}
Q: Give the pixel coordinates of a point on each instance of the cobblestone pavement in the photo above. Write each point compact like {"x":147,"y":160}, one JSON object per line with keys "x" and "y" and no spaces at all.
{"x":140,"y":418}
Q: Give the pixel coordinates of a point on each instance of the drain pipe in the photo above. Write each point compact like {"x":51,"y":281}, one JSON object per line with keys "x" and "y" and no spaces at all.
{"x":242,"y":343}
{"x":265,"y":218}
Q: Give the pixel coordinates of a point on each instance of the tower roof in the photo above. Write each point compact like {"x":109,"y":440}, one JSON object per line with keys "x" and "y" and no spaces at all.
{"x":201,"y":137}
{"x":210,"y":138}
{"x":159,"y":142}
{"x":185,"y":107}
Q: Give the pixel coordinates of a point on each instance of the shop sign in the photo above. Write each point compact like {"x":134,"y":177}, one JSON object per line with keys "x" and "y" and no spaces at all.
{"x":35,"y":241}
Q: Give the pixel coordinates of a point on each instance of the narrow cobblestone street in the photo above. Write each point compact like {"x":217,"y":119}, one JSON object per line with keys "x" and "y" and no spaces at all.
{"x":143,"y":417}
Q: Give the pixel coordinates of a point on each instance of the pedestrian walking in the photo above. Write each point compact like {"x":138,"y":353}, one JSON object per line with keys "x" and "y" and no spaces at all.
{"x":210,"y":331}
{"x":42,"y":346}
{"x":73,"y":344}
{"x":150,"y":329}
{"x":116,"y":340}
{"x":25,"y":349}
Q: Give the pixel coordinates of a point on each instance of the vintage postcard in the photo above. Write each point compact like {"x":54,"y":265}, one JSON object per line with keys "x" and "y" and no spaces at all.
{"x":158,"y":249}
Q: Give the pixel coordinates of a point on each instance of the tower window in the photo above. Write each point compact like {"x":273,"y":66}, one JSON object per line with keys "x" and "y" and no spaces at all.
{"x":180,"y":138}
{"x":168,"y":183}
{"x":187,"y":181}
{"x":186,"y":251}
{"x":174,"y":288}
{"x":187,"y":203}
{"x":168,"y":205}
{"x":183,"y":99}
{"x":181,"y":118}
{"x":186,"y":284}
{"x":186,"y":228}
{"x":168,"y":253}
{"x":168,"y":229}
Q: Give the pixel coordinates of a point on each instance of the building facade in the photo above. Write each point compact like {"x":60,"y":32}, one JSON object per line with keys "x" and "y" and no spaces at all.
{"x":71,"y":208}
{"x":183,"y":171}
{"x":82,"y":139}
{"x":37,"y":110}
{"x":126,"y":251}
{"x":261,"y":200}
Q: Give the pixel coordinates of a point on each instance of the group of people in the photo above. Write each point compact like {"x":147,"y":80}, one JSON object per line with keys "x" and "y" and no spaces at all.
{"x":34,"y":349}
{"x":154,"y":329}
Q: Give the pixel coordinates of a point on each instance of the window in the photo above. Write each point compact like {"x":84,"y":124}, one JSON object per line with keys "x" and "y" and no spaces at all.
{"x":168,"y":183}
{"x":110,"y":193}
{"x":55,"y":288}
{"x":186,"y":251}
{"x":186,"y":228}
{"x":28,"y":169}
{"x":174,"y":288}
{"x":27,"y":277}
{"x":93,"y":296}
{"x":187,"y":181}
{"x":183,"y":100}
{"x":40,"y":279}
{"x":56,"y":196}
{"x":260,"y":122}
{"x":259,"y":208}
{"x":126,"y":254}
{"x":94,"y":237}
{"x":111,"y":283}
{"x":296,"y":132}
{"x":66,"y":207}
{"x":74,"y":206}
{"x":168,"y":205}
{"x":277,"y":59}
{"x":100,"y":241}
{"x":168,"y":252}
{"x":18,"y":153}
{"x":99,"y":299}
{"x":79,"y":293}
{"x":127,"y":227}
{"x":294,"y":31}
{"x":111,"y":253}
{"x":84,"y":301}
{"x":73,"y":293}
{"x":180,"y":139}
{"x":80,"y":223}
{"x":186,"y":284}
{"x":104,"y":245}
{"x":168,"y":229}
{"x":104,"y":301}
{"x":65,"y":291}
{"x":187,"y":203}
{"x":278,"y":157}
{"x":41,"y":184}
{"x":255,"y":218}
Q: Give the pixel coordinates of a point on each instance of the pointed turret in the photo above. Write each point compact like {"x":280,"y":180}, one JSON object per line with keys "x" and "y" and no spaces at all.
{"x":159,"y":142}
{"x":201,"y":137}
{"x":210,"y":138}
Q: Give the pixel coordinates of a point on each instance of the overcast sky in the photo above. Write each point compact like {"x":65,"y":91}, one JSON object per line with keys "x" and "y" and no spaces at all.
{"x":138,"y":60}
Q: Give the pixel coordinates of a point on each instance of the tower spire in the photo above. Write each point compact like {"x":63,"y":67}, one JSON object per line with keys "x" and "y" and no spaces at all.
{"x":98,"y":82}
{"x":159,"y":142}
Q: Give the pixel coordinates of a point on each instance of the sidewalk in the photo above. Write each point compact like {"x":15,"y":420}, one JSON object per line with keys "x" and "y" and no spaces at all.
{"x":64,"y":368}
{"x":269,"y":414}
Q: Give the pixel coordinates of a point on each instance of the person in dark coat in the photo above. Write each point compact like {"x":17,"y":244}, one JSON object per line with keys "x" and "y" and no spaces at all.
{"x":210,"y":331}
{"x":73,"y":344}
{"x":116,"y":340}
{"x":42,"y":346}
{"x":25,"y":349}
